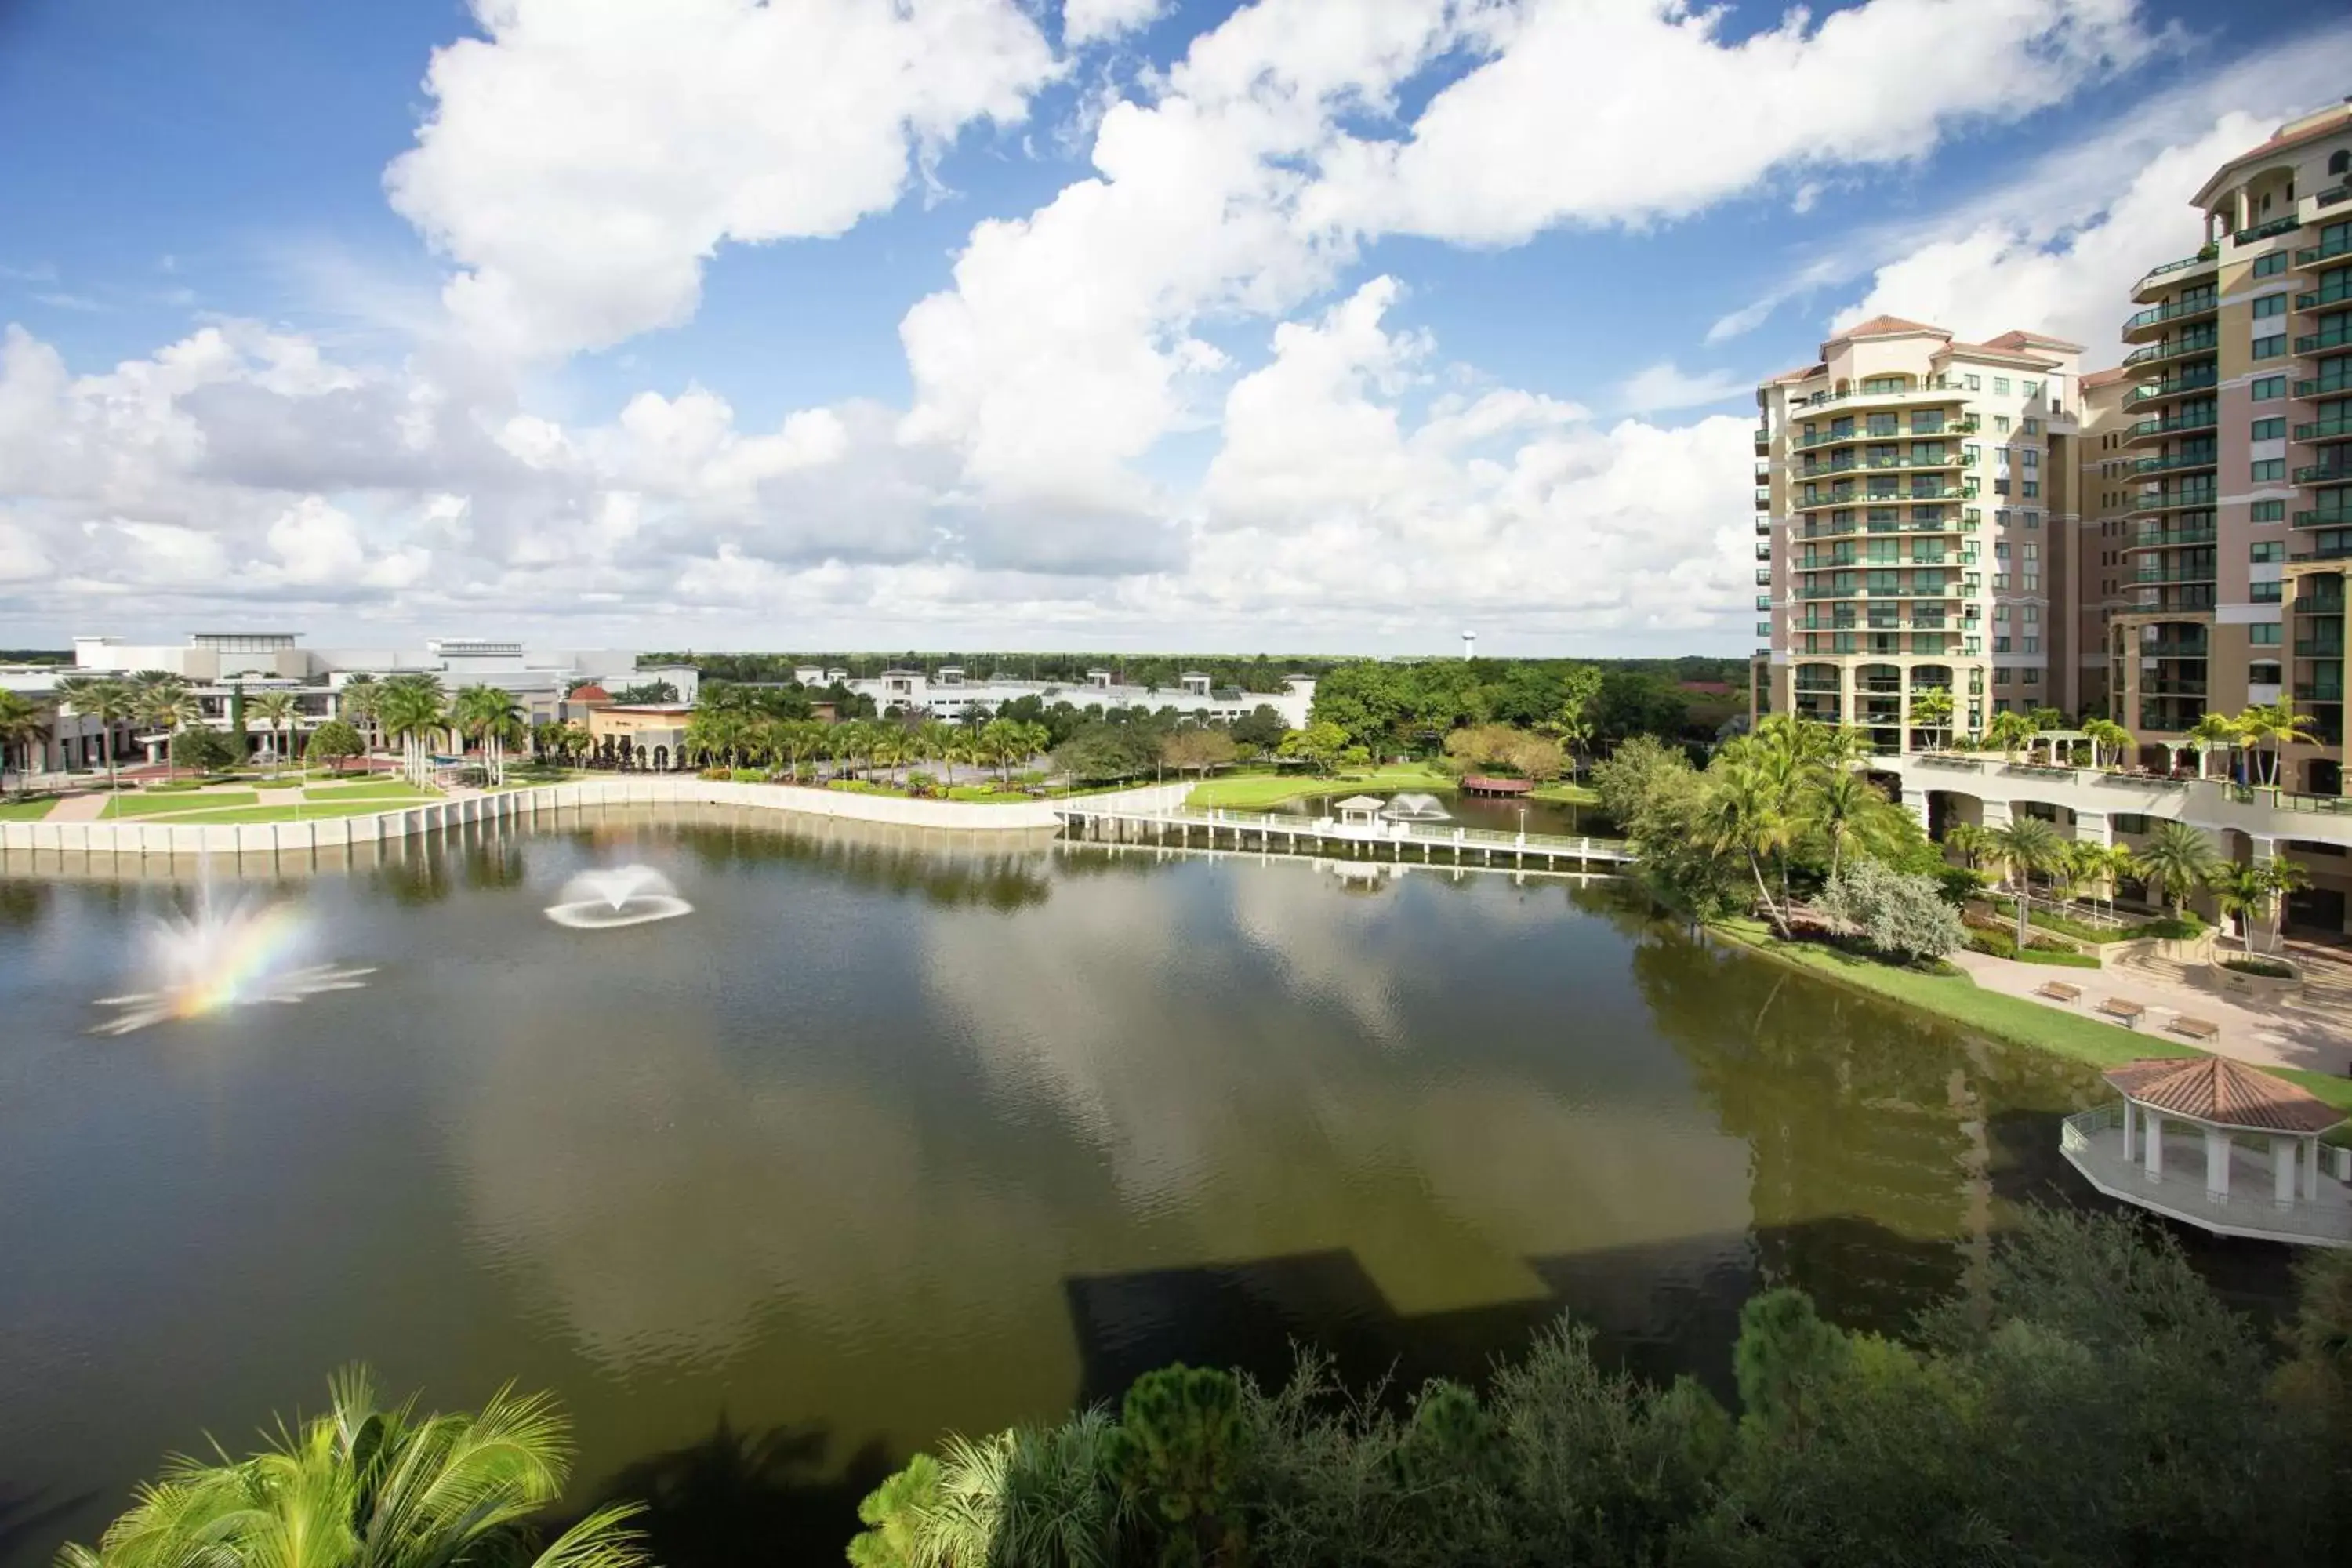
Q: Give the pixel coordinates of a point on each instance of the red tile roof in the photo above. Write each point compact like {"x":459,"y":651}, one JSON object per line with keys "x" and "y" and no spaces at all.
{"x":2037,"y":357}
{"x":2106,"y":377}
{"x":2328,"y":124}
{"x":2030,"y":340}
{"x":2219,"y":1091}
{"x":591,"y":692}
{"x":1880,"y":325}
{"x":1800,"y":374}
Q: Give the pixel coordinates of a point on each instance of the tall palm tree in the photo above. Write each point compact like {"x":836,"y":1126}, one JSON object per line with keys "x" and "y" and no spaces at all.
{"x":2285,"y":877}
{"x":2027,"y":845}
{"x":493,"y":720}
{"x":2102,"y":734}
{"x":108,"y":701}
{"x":22,"y":723}
{"x":277,"y":710}
{"x":2100,"y":866}
{"x":169,"y":708}
{"x":367,"y":1487}
{"x":2211,"y":731}
{"x":2177,"y":858}
{"x":2275,"y":725}
{"x":413,"y":712}
{"x":1746,"y":810}
{"x":2244,"y":892}
{"x":356,"y":702}
{"x":1847,"y":807}
{"x":2009,"y":734}
{"x":1932,"y":710}
{"x":1968,"y":841}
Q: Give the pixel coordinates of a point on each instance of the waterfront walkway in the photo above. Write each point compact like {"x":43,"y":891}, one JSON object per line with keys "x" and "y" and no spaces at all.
{"x":1290,"y":833}
{"x":2311,"y":1028}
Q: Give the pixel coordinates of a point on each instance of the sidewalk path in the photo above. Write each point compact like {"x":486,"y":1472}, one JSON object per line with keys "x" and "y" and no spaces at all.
{"x":80,"y":807}
{"x":2317,"y":1038}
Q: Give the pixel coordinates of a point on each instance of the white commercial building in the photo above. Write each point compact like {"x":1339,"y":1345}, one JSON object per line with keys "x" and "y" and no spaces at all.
{"x":948,"y":695}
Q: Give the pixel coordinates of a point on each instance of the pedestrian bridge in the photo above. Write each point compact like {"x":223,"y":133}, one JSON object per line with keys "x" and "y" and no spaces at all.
{"x":1288,"y":833}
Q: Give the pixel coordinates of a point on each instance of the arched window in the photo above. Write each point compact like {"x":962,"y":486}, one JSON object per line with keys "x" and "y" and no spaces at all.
{"x":2340,"y":160}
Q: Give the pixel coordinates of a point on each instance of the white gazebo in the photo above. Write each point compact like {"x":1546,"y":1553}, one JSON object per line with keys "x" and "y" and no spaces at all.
{"x":2261,"y":1140}
{"x":1359,"y":811}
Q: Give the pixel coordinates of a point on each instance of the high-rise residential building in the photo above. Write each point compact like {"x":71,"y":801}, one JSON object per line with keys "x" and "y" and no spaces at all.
{"x":2241,"y":435}
{"x":1915,"y":497}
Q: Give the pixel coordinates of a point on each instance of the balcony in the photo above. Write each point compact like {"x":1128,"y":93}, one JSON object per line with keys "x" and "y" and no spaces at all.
{"x":2173,"y":274}
{"x":2337,"y":551}
{"x":2334,"y":292}
{"x":2324,"y":429}
{"x":2276,"y":226}
{"x":2174,"y":498}
{"x":2312,"y":255}
{"x":2206,"y":458}
{"x":2203,"y":343}
{"x":2156,"y":316}
{"x":2169,"y":649}
{"x":2148,"y":429}
{"x":1860,"y":465}
{"x":1763,"y":527}
{"x":2324,"y":474}
{"x":2337,"y":384}
{"x":2337,"y":516}
{"x":1763,"y":439}
{"x":2319,"y":648}
{"x":2195,"y":379}
{"x":2334,"y":340}
{"x":2166,"y":538}
{"x":2176,"y":574}
{"x":2318,"y":692}
{"x":2172,"y":688}
{"x":1932,"y":389}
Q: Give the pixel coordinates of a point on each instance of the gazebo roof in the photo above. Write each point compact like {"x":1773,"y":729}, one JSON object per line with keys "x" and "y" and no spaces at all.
{"x":1361,"y":803}
{"x":2222,"y":1093}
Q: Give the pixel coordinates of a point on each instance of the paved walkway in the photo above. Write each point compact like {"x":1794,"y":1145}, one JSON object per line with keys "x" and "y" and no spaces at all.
{"x":80,"y":807}
{"x":2312,"y":1030}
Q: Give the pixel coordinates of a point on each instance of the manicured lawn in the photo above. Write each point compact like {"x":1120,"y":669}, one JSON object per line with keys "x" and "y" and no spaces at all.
{"x":26,"y":810}
{"x":2010,"y":1019}
{"x":1254,"y":791}
{"x":287,"y":813}
{"x":385,"y":789}
{"x":176,"y":800}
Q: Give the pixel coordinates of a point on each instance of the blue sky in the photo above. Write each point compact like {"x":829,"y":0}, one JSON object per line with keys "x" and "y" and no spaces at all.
{"x":1282,"y":326}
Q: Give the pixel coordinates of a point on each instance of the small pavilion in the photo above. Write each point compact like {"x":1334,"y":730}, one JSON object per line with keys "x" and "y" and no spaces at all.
{"x":2249,"y":1122}
{"x":1359,"y":811}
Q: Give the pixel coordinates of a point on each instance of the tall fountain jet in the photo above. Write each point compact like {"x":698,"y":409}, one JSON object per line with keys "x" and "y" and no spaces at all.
{"x":1469,"y":644}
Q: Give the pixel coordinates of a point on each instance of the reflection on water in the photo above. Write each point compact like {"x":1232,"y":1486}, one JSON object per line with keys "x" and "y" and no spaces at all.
{"x":901,"y":1134}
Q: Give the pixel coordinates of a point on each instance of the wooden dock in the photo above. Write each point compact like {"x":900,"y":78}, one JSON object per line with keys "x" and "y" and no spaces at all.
{"x":1284,"y":833}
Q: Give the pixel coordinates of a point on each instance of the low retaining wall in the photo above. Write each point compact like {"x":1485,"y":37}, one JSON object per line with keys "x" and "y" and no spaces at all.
{"x":135,"y":837}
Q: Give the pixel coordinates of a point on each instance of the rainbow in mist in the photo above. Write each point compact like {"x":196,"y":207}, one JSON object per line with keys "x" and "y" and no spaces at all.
{"x":221,"y":958}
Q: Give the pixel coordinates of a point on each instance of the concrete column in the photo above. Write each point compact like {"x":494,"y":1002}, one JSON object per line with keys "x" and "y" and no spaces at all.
{"x":2131,"y":1125}
{"x":1914,"y":801}
{"x":2217,"y":1165}
{"x":2152,"y":1149}
{"x":1996,"y":814}
{"x":2092,"y":828}
{"x":2311,"y":1169}
{"x":2265,"y":849}
{"x":2283,"y":1154}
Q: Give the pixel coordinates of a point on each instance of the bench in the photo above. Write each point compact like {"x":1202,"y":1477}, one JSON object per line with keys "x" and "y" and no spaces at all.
{"x":2195,"y":1028}
{"x":2059,"y":991}
{"x":2128,"y":1014}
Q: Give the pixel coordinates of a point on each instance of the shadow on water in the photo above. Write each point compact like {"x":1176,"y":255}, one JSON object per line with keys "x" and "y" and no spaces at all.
{"x":738,"y":1498}
{"x":30,"y":1517}
{"x":1013,"y":878}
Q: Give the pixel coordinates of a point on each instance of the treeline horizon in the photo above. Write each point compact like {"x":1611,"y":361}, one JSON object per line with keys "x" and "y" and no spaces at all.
{"x":1251,"y":672}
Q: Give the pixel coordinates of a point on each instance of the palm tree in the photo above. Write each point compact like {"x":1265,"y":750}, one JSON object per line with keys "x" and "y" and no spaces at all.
{"x":491,"y":718}
{"x":2101,"y":866}
{"x":1969,"y":841}
{"x":169,"y":708}
{"x":2177,"y":858}
{"x":1932,"y":710}
{"x":411,"y":710}
{"x":2026,"y":845}
{"x":364,"y":1487}
{"x":356,"y":702}
{"x":2244,"y":892}
{"x":1846,"y":806}
{"x":2285,"y":877}
{"x":2102,"y":734}
{"x":22,"y":723}
{"x":277,"y":710}
{"x":1746,"y":810}
{"x":106,"y":700}
{"x":2211,"y":731}
{"x":2277,"y":726}
{"x":2009,"y":734}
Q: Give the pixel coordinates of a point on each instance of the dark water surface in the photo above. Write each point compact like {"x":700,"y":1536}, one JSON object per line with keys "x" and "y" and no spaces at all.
{"x":888,"y":1137}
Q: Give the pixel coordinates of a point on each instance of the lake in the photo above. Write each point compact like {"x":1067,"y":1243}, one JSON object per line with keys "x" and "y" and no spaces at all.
{"x":893,"y":1135}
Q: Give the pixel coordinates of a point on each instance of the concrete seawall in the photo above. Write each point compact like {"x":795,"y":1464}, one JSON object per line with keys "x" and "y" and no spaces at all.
{"x":139,"y":840}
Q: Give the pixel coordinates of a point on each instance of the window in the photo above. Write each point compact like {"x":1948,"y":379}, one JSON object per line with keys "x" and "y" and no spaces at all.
{"x":2263,"y":593}
{"x":2000,"y":551}
{"x":2030,"y":583}
{"x":2000,"y":424}
{"x":1976,"y":382}
{"x":2270,"y":348}
{"x":2033,"y":489}
{"x":2000,"y":677}
{"x":2033,"y":456}
{"x":2000,"y":385}
{"x":2001,"y":517}
{"x":2001,"y":615}
{"x":2033,"y":645}
{"x":2270,"y":430}
{"x":1881,"y":425}
{"x":2270,"y":265}
{"x":2263,"y":636}
{"x":1926,"y":421}
{"x":2339,"y":162}
{"x":2264,"y":551}
{"x":2032,"y":677}
{"x":2030,"y":389}
{"x":2270,"y":469}
{"x":2270,"y":305}
{"x":2267,"y":511}
{"x":2264,"y":674}
{"x":2032,"y":614}
{"x":2033,"y":426}
{"x":2264,"y":388}
{"x":2033,"y":520}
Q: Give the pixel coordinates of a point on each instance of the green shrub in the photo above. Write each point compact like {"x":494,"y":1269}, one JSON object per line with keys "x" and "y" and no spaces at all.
{"x":2164,"y":928}
{"x":716,"y":775}
{"x":2061,"y":957}
{"x":748,"y":775}
{"x":2268,"y":969}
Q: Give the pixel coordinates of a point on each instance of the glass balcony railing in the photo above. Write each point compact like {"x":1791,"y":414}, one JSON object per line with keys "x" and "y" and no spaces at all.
{"x":2330,"y":429}
{"x":2338,"y":516}
{"x":2203,"y":419}
{"x":2310,"y":255}
{"x":2195,"y":305}
{"x":2160,"y":499}
{"x":2205,"y":457}
{"x":2205,"y":261}
{"x":2195,"y":379}
{"x":2276,"y":226}
{"x":2338,"y":551}
{"x":2196,"y":573}
{"x":2324,"y":474}
{"x":2166,"y":538}
{"x":2333,"y":339}
{"x":2337,"y":382}
{"x":2200,"y":343}
{"x":2334,"y":292}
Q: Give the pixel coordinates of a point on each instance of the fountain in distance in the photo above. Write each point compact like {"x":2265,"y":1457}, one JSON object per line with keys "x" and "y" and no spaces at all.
{"x":616,"y":896}
{"x":1415,"y":808}
{"x":226,"y":955}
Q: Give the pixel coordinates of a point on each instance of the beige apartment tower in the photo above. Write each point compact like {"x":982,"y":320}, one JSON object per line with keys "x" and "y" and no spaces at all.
{"x":1917,"y":498}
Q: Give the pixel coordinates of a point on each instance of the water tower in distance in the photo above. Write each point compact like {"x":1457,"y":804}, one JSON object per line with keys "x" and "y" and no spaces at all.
{"x":1469,"y":644}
